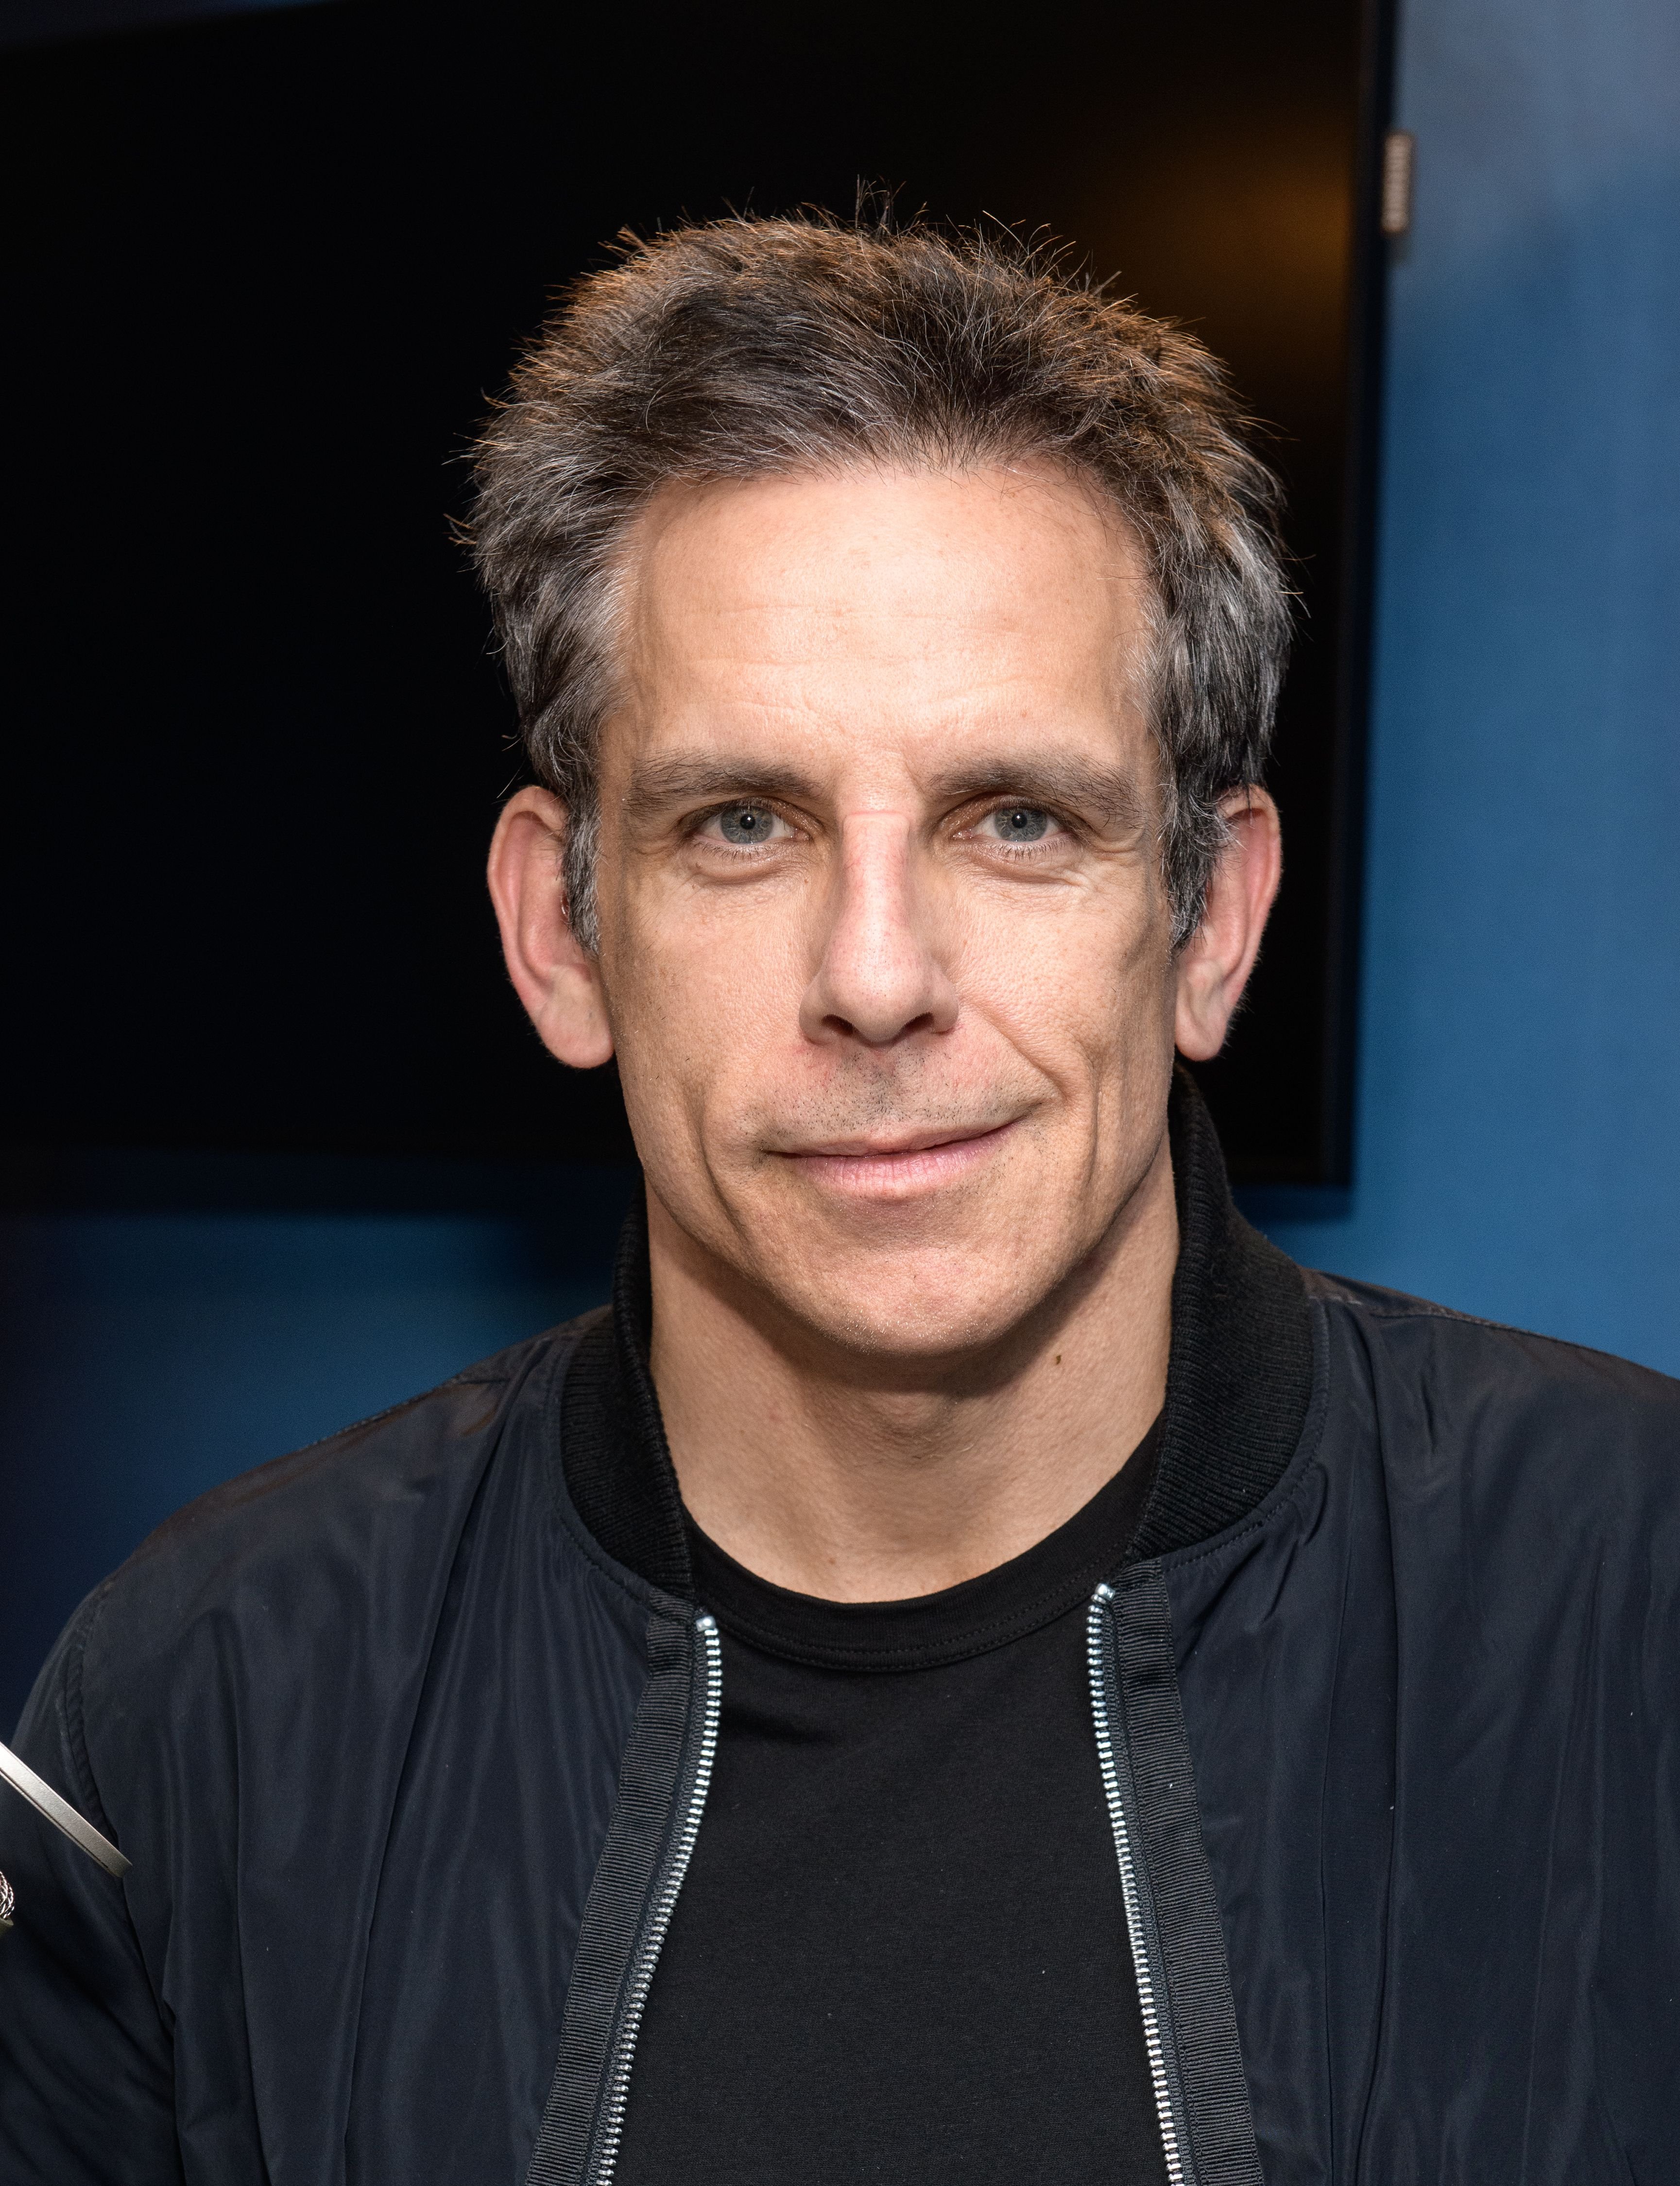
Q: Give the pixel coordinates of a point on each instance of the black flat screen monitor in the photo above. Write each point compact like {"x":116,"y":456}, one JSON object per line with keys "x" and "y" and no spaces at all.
{"x":266,"y":272}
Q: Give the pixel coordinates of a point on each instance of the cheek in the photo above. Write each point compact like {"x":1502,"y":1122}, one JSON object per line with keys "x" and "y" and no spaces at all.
{"x":1080,"y":988}
{"x":701,"y":991}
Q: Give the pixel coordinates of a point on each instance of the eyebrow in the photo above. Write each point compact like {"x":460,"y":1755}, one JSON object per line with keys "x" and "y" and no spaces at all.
{"x":1038,"y":777}
{"x":1041,"y":778}
{"x":684,"y":778}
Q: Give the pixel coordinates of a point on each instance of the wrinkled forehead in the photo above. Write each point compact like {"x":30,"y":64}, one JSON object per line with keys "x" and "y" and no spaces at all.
{"x":875,"y":603}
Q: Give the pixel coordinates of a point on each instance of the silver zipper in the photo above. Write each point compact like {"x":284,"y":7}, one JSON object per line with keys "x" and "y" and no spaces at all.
{"x":641,"y":1977}
{"x":1148,"y":1996}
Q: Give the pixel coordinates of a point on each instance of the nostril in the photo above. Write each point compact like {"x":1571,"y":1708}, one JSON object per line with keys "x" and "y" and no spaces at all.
{"x":850,"y":1029}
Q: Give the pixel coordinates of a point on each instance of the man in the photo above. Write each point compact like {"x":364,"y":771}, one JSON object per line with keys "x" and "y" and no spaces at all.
{"x":975,"y":1667}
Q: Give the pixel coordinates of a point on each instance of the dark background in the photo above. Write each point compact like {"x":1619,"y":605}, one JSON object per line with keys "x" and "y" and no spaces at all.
{"x":264,"y":272}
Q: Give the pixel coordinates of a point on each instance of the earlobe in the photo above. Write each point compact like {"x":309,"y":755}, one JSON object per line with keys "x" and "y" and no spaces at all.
{"x":1214,"y":964}
{"x":554,"y":976}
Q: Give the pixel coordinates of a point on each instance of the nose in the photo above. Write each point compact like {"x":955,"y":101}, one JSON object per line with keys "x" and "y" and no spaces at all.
{"x":880,"y":975}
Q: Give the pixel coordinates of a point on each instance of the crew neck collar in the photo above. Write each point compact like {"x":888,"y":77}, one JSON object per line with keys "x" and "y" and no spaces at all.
{"x":1056,"y":1575}
{"x":1239,"y":1381}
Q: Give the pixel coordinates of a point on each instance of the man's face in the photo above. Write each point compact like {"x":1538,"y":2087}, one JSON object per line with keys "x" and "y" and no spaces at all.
{"x":884,"y":941}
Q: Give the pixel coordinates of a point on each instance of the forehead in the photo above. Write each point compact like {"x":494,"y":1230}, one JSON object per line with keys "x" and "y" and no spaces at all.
{"x":871,"y":603}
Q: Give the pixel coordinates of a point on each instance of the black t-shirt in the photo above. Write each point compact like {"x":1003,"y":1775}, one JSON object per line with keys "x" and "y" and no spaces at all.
{"x":899,"y":1954}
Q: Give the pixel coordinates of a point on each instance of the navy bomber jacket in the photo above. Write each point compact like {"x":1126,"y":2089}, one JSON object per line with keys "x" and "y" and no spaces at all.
{"x":406,"y":1738}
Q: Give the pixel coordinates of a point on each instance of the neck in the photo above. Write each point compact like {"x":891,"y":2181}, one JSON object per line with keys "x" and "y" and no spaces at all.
{"x":825,"y":1473}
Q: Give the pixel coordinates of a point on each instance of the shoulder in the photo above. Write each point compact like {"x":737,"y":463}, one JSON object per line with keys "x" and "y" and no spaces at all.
{"x":266,"y":1652}
{"x":1453,"y":1392}
{"x":310,"y":1542}
{"x":1496,"y":1360}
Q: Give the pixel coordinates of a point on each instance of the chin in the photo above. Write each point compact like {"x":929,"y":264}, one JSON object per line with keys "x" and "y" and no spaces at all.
{"x":909,"y":1310}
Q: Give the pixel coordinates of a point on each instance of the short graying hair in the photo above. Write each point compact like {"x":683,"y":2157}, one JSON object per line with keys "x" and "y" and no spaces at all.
{"x":760,"y":347}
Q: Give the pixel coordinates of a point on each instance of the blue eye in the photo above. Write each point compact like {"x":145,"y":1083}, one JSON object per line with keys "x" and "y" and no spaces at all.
{"x":1021,"y":823}
{"x":746,"y":823}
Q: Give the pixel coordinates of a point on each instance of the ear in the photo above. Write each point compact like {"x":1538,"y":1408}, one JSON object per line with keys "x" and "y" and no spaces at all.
{"x":1214,"y":964}
{"x":555,"y":977}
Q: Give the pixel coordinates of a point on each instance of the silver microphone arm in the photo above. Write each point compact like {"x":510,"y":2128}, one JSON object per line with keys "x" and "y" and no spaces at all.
{"x":62,"y":1815}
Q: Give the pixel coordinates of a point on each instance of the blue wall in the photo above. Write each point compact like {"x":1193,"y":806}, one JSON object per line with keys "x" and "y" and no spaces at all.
{"x":1518,"y":1118}
{"x":1519,"y":1149}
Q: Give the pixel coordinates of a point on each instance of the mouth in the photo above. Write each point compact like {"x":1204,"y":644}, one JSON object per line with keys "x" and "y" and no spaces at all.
{"x":899,"y":1165}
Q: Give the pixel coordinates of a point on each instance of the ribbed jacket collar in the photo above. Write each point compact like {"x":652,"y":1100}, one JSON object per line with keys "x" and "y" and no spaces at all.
{"x":1239,"y":1381}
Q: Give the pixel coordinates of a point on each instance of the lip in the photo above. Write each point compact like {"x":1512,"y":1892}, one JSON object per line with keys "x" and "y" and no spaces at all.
{"x":899,"y":1165}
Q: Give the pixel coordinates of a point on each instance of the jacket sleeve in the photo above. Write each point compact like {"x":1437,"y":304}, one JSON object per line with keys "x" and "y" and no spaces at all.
{"x":86,"y":2077}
